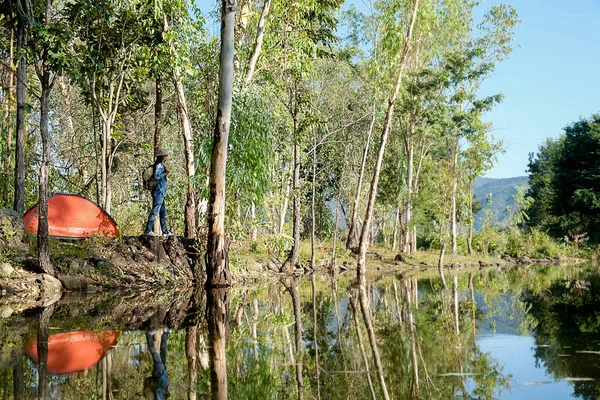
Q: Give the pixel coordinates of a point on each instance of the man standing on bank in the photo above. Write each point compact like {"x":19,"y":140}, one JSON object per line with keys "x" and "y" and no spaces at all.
{"x":159,"y":194}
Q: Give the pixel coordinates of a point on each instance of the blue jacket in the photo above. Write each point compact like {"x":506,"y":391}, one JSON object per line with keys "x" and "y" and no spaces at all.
{"x":161,"y":178}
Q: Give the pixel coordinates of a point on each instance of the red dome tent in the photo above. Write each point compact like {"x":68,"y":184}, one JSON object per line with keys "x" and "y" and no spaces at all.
{"x":72,"y":216}
{"x":74,"y":351}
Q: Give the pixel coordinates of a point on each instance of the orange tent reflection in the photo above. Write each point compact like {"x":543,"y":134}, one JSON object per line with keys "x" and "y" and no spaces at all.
{"x":74,"y":351}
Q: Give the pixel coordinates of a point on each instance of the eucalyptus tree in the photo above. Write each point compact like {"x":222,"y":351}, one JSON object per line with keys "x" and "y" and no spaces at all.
{"x":217,"y":258}
{"x":467,"y":67}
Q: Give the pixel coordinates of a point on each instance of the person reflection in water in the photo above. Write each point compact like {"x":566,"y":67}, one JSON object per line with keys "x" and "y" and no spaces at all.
{"x":157,"y":386}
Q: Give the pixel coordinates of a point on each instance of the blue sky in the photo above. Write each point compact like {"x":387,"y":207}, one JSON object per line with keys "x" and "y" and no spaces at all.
{"x":550,"y":80}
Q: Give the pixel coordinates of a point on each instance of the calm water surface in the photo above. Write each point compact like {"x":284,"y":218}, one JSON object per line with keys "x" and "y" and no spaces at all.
{"x":516,"y":334}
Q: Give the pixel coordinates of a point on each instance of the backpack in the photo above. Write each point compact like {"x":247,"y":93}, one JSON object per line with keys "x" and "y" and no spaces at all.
{"x":150,"y":181}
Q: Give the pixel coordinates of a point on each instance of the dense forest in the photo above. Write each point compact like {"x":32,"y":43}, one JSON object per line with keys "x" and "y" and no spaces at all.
{"x":368,"y":118}
{"x":565,"y":183}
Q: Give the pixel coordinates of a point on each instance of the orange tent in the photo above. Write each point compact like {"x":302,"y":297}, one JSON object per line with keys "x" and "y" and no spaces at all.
{"x":74,"y":351}
{"x":72,"y":216}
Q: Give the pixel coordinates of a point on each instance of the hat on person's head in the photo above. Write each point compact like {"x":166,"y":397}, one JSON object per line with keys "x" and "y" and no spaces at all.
{"x":162,"y":152}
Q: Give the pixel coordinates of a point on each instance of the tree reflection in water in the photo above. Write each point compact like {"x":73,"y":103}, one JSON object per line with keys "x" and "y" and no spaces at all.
{"x":217,"y":311}
{"x":305,"y":338}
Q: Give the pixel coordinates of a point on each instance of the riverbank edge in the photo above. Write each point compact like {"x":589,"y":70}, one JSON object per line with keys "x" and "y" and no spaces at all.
{"x":146,"y":263}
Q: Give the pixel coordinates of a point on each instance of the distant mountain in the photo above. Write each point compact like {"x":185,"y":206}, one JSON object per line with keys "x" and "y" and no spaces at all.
{"x":502,"y":191}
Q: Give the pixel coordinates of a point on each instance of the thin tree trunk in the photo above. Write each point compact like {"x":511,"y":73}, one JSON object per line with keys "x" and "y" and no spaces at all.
{"x":191,"y":353}
{"x":455,"y":294}
{"x":470,"y":237}
{"x":413,"y":342}
{"x":158,"y":116}
{"x":290,"y":263}
{"x":337,"y":226}
{"x":410,"y":152}
{"x":352,"y":223}
{"x":361,"y":345}
{"x":441,"y":265}
{"x":218,"y":326}
{"x":190,"y":169}
{"x":217,"y":265}
{"x":364,"y":307}
{"x":42,"y":236}
{"x":8,"y":100}
{"x":19,"y":200}
{"x":293,"y":289}
{"x":315,"y":330}
{"x":395,"y":229}
{"x":454,"y":195}
{"x":312,"y":204}
{"x":384,"y":136}
{"x":260,"y":33}
{"x":42,"y":350}
{"x":284,"y":207}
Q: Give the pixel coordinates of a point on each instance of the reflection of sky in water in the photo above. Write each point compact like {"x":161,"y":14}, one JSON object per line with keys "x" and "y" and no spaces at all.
{"x":516,"y":355}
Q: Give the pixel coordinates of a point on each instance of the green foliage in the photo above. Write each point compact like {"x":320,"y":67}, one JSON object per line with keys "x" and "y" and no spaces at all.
{"x":565,"y":183}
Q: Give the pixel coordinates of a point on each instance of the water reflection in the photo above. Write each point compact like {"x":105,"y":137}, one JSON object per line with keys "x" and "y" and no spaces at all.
{"x":319,"y":337}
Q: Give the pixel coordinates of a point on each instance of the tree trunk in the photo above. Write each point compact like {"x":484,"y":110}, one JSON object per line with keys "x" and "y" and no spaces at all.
{"x":191,"y":334}
{"x":42,"y":350}
{"x":284,"y":207}
{"x":8,"y":98}
{"x":312,"y":204}
{"x":364,"y":307}
{"x":217,"y":304}
{"x":384,"y":135}
{"x":292,"y":287}
{"x":413,"y":341}
{"x":454,"y":195}
{"x":290,"y":263}
{"x":313,"y":283}
{"x":395,"y":229}
{"x":42,"y":236}
{"x":217,"y":260}
{"x":352,"y":224}
{"x":260,"y":33}
{"x":188,"y":142}
{"x":441,"y":265}
{"x":455,"y":295}
{"x":410,"y":152}
{"x":158,"y":116}
{"x":19,"y":200}
{"x":470,"y":237}
{"x":337,"y":228}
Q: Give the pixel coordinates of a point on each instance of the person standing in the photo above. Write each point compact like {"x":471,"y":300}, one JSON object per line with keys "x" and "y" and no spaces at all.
{"x":159,"y":194}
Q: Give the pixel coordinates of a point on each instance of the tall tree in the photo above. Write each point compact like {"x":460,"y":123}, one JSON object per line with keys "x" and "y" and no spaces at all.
{"x":217,"y":258}
{"x":49,"y":54}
